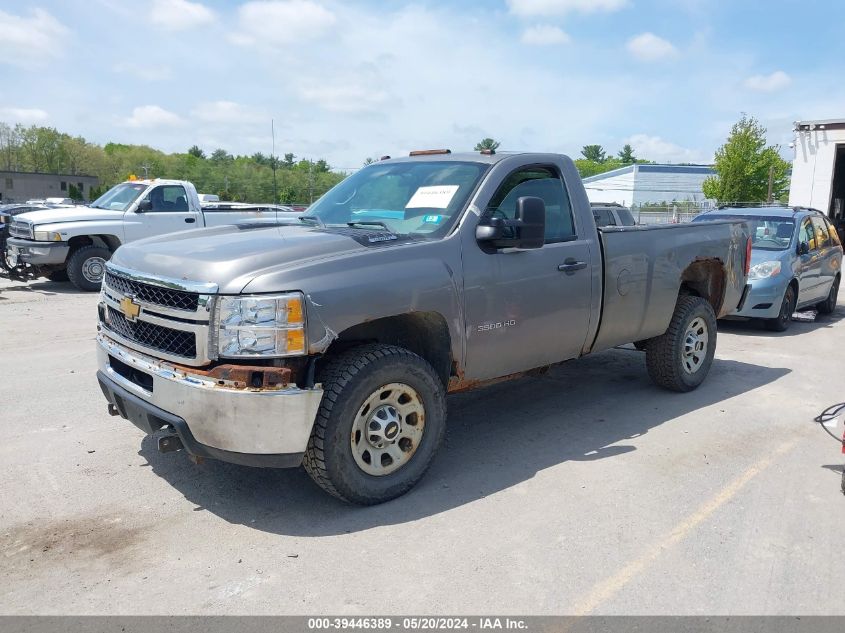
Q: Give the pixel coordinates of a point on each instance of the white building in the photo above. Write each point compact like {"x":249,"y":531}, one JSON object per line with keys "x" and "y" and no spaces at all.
{"x":635,"y":185}
{"x":818,"y":170}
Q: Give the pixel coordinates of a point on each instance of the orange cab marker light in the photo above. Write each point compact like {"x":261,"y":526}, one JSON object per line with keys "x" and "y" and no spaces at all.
{"x":429,"y":152}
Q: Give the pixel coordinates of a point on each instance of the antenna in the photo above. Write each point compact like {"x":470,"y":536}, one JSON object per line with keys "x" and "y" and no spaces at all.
{"x":273,"y":160}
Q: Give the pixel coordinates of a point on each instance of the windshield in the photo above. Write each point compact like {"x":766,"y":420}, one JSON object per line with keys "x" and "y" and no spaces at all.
{"x":119,"y":197}
{"x":767,"y":233}
{"x":420,"y":198}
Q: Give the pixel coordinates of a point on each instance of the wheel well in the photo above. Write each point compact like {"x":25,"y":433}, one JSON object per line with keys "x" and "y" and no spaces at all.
{"x":423,"y":333}
{"x":110,"y":242}
{"x":706,"y":279}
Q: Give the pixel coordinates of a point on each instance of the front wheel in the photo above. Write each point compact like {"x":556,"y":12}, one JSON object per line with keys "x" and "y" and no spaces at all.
{"x":680,"y":358}
{"x":86,"y":267}
{"x":783,"y":320}
{"x":829,"y":305}
{"x":380,"y":422}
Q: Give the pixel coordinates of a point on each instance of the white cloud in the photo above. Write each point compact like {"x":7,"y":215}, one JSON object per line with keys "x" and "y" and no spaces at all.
{"x":351,"y":97}
{"x":23,"y":115}
{"x":30,"y":41}
{"x":778,"y":80}
{"x":153,"y":116}
{"x":649,"y":47}
{"x":227,"y":112}
{"x":274,"y":23}
{"x":529,"y":8}
{"x":659,"y":150}
{"x":146,"y":72}
{"x":544,"y":35}
{"x":177,"y":15}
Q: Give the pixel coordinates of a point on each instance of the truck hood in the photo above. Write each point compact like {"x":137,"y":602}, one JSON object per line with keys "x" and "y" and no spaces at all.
{"x":232,"y":256}
{"x":69,"y":214}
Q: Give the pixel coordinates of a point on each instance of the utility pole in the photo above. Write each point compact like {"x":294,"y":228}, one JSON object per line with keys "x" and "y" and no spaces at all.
{"x":771,"y":183}
{"x":310,"y":181}
{"x":273,"y":161}
{"x":146,"y":168}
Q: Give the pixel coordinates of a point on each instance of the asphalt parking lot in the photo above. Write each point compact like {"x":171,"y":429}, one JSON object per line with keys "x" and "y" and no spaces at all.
{"x":586,"y":490}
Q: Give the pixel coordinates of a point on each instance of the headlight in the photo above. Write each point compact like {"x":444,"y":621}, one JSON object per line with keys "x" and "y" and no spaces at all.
{"x":269,"y":326}
{"x":764,"y":270}
{"x":47,"y":236}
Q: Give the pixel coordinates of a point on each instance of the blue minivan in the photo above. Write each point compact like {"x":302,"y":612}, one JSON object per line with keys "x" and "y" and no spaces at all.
{"x":796,"y":261}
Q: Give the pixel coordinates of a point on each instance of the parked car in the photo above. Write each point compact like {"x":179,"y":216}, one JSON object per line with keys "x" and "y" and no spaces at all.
{"x":796,"y":262}
{"x":612,"y":215}
{"x":7,"y":212}
{"x":79,"y":240}
{"x":332,"y":342}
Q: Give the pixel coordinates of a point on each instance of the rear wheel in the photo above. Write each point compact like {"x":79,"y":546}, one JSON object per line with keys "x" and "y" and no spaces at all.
{"x":829,"y":305}
{"x":783,"y":320}
{"x":680,"y":358}
{"x":381,"y":420}
{"x":86,"y":267}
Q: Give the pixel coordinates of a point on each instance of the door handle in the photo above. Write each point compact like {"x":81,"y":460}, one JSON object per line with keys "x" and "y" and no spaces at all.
{"x":190,"y":220}
{"x":570,"y":266}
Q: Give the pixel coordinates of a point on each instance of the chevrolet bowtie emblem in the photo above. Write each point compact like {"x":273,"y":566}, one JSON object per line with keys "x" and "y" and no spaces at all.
{"x":129,"y":308}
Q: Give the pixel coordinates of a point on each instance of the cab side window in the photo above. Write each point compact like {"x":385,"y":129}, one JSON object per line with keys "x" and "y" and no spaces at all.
{"x":539,"y":182}
{"x":169,"y":198}
{"x":807,"y":234}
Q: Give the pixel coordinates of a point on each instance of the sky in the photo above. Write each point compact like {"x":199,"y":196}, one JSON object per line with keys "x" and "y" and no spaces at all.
{"x":347,"y":80}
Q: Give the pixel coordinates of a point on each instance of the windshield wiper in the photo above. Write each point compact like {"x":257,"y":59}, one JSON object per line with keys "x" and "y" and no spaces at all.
{"x":308,"y":218}
{"x":366,"y":223}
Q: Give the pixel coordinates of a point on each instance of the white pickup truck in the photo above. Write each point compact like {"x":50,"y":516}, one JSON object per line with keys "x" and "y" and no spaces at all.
{"x":75,"y":243}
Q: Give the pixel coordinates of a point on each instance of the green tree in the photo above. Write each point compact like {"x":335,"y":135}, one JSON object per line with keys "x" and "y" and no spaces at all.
{"x":288,"y":161}
{"x":487,"y":143}
{"x":626,"y":155}
{"x":196,"y":152}
{"x":594,"y":153}
{"x":221,"y":156}
{"x":369,"y":161}
{"x":743,"y":165}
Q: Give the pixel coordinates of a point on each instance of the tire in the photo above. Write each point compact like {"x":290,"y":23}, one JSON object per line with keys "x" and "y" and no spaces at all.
{"x":829,"y":305}
{"x":83,"y":263}
{"x":58,"y":275}
{"x":783,"y":320}
{"x":671,"y":362}
{"x":337,"y":451}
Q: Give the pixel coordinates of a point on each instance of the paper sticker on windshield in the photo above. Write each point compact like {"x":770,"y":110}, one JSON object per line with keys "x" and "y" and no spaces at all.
{"x":434,"y":197}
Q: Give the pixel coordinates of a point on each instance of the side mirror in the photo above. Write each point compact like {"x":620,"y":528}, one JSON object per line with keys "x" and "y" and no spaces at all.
{"x":527,"y":230}
{"x":145,"y":205}
{"x":531,"y":215}
{"x":803,"y":248}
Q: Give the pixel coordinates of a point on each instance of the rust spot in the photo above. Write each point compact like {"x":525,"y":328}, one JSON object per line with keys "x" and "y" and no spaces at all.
{"x":244,"y":376}
{"x":460,"y":383}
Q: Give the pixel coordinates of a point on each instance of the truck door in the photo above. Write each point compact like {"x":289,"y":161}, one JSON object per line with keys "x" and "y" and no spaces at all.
{"x":169,"y":213}
{"x":526,"y":308}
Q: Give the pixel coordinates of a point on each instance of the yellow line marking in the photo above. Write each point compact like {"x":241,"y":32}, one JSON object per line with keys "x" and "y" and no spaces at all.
{"x":606,"y":589}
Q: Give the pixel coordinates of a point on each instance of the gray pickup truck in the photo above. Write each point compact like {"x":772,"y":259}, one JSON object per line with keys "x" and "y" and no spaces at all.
{"x":332,"y":339}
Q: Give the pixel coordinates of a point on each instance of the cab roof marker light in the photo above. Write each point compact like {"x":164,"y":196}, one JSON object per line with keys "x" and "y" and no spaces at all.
{"x":429,"y":152}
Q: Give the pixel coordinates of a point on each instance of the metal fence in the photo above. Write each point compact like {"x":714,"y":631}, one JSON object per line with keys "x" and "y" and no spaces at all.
{"x":676,"y":212}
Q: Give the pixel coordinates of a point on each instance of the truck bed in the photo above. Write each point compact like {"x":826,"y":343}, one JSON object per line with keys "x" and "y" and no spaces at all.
{"x":644,"y":268}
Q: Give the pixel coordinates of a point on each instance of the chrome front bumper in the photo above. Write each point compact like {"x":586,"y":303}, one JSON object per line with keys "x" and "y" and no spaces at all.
{"x":36,"y":253}
{"x":247,"y":426}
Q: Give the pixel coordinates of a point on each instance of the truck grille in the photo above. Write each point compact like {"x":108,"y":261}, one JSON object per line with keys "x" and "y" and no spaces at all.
{"x":20,"y":229}
{"x":157,"y":337}
{"x":178,"y":299}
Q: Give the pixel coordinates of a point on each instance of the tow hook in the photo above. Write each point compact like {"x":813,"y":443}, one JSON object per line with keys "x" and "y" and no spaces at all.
{"x":113,"y":410}
{"x":169,"y":444}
